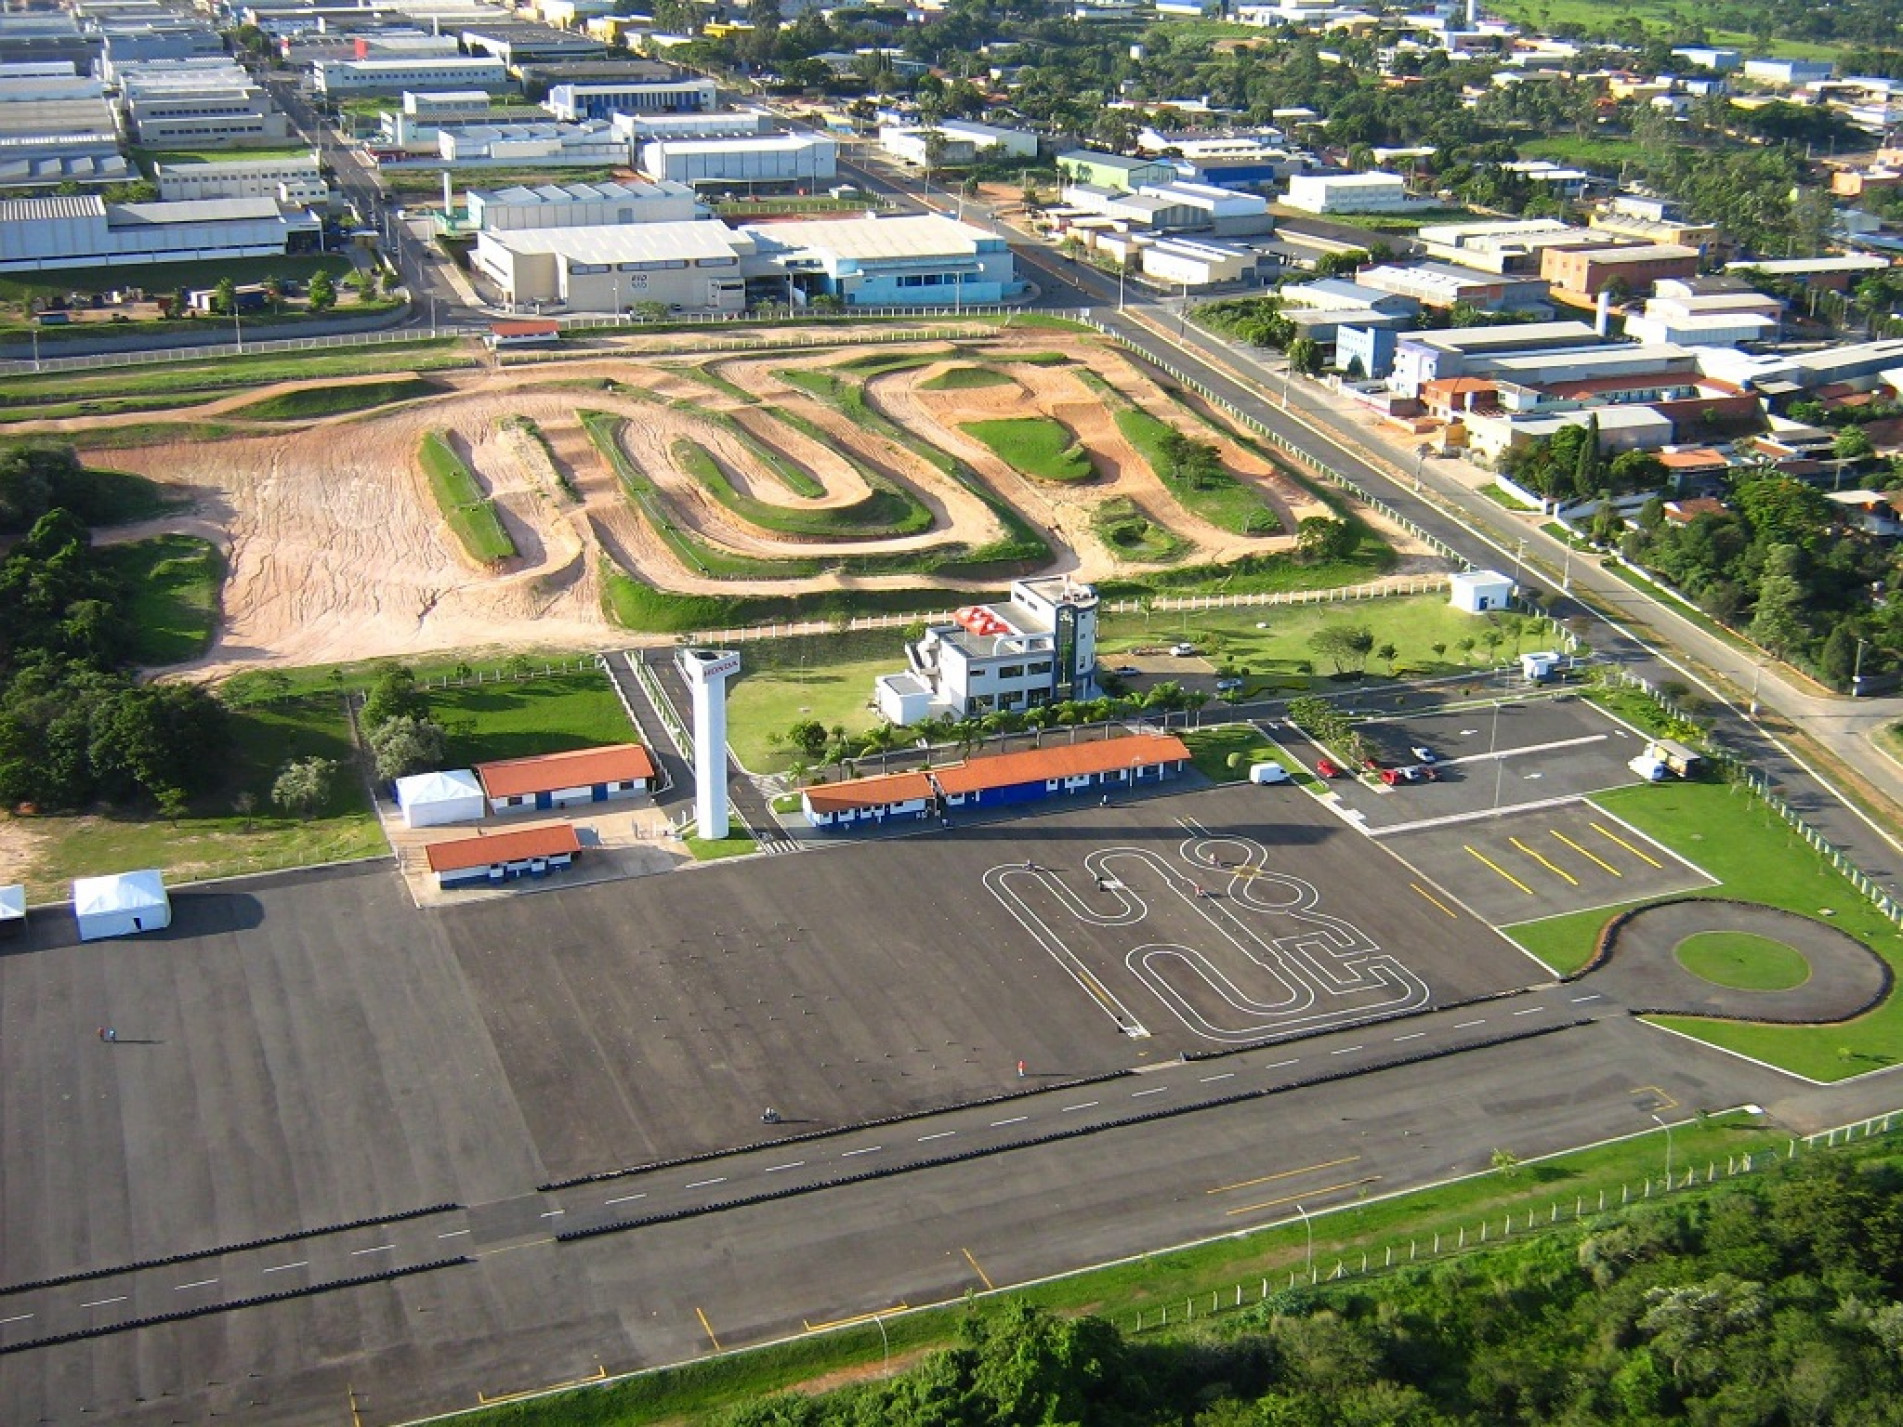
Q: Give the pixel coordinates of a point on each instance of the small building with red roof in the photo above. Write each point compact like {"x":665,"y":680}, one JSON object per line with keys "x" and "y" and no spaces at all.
{"x":493,"y":857}
{"x":561,"y":780}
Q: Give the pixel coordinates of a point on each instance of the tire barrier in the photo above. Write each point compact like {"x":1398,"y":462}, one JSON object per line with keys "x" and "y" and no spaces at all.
{"x":704,"y":1156}
{"x":1056,"y":1136}
{"x":232,"y":1305}
{"x":192,"y":1255}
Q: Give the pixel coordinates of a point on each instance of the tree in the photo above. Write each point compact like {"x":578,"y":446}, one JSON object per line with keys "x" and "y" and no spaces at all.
{"x":1853,"y":444}
{"x":1346,"y":645}
{"x":304,"y":786}
{"x":808,"y":737}
{"x":393,"y":694}
{"x":406,"y":744}
{"x":1777,"y":623}
{"x":1320,"y":538}
{"x":322,"y":293}
{"x":224,"y":298}
{"x":1305,"y":356}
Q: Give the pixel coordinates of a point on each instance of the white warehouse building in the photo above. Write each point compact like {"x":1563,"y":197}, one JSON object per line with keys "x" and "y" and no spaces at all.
{"x":691,"y":266}
{"x":292,"y":178}
{"x":81,"y":232}
{"x":582,"y":205}
{"x":1347,"y":193}
{"x":590,"y":145}
{"x":725,"y":124}
{"x":341,"y":78}
{"x":804,"y":159}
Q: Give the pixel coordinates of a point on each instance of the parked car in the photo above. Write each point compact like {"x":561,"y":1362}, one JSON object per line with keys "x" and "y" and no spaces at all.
{"x":1126,"y":670}
{"x":1268,"y":773}
{"x":1228,"y":686}
{"x":1325,"y":769}
{"x":1183,"y":651}
{"x":1422,"y":754}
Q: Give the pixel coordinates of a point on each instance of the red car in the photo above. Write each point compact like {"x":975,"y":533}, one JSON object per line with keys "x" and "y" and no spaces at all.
{"x":1326,"y":769}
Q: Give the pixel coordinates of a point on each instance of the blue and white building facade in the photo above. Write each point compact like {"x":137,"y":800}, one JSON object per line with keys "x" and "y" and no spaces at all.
{"x":927,"y":261}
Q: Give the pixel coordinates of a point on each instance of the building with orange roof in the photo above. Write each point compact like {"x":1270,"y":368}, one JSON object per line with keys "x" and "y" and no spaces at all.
{"x":869,"y":800}
{"x":492,"y":857}
{"x":560,"y":780}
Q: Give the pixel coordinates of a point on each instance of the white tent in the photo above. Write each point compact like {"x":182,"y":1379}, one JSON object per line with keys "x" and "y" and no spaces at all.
{"x":432,"y":799}
{"x":12,"y":910}
{"x":121,"y":904}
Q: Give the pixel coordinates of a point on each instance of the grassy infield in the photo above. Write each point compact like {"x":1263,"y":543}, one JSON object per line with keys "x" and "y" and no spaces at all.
{"x":471,"y":514}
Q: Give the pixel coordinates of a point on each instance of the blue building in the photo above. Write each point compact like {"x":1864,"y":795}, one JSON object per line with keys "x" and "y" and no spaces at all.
{"x":1373,"y":347}
{"x":572,"y":103}
{"x":928,"y":261}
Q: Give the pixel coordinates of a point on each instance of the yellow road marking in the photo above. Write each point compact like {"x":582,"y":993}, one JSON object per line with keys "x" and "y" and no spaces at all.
{"x":1285,"y":1174}
{"x":1583,"y":853}
{"x":1498,"y":868}
{"x":1432,"y":898}
{"x":597,"y":1375}
{"x":1626,"y":845}
{"x":856,"y":1318}
{"x":1670,"y":1102}
{"x":1311,"y":1194}
{"x":1550,"y":867}
{"x":708,"y":1328}
{"x":985,"y":1277}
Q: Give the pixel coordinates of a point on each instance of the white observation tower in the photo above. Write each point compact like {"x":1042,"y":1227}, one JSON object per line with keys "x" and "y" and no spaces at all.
{"x":707,"y":672}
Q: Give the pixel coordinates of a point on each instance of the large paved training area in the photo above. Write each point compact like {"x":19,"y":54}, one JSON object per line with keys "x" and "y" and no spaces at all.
{"x":304,"y":1052}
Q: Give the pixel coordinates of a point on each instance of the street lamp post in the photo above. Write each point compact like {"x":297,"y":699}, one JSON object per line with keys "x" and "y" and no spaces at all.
{"x":1519,"y":560}
{"x":1499,"y":763}
{"x":237,"y":325}
{"x":1856,"y":671}
{"x":1182,"y":320}
{"x":1668,"y":1149}
{"x":1308,"y":1224}
{"x":1566,"y":572}
{"x":1420,"y":459}
{"x":1123,"y":268}
{"x":1756,"y":675}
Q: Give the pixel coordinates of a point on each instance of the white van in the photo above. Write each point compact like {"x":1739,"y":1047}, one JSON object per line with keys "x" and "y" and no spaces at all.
{"x":1268,"y":773}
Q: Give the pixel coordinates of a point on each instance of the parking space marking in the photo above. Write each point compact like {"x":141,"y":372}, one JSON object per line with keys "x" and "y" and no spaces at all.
{"x":1614,"y":837}
{"x":984,"y":1277}
{"x":708,"y":1329}
{"x":1555,"y":832}
{"x":1556,"y":870}
{"x":1307,"y":1194}
{"x":1435,"y":900}
{"x":1488,"y":861}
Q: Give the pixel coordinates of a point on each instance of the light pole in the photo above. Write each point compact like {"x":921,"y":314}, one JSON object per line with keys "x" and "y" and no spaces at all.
{"x":1499,"y":763}
{"x":1668,"y":1149}
{"x":1182,"y":320}
{"x":1420,"y":459}
{"x":237,"y":326}
{"x":885,"y":1343}
{"x":34,"y":330}
{"x":1566,"y":572}
{"x":1756,"y":675}
{"x":1856,"y":671}
{"x":1308,"y":1224}
{"x":1287,"y":367}
{"x":1123,"y":267}
{"x":1519,"y":559}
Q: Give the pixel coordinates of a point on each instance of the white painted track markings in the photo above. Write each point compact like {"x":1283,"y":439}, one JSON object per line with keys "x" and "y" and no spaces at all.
{"x":16,"y":1318}
{"x":196,"y":1283}
{"x":287,"y":1267}
{"x":1348,"y":1050}
{"x":379,"y":1249}
{"x":1469,"y":1025}
{"x":703,"y":1183}
{"x":1283,"y":1064}
{"x":1595,"y":996}
{"x":1086,"y":1105}
{"x":1212,"y":1079}
{"x":102,"y":1302}
{"x":1411,"y":1036}
{"x":1014,"y":1120}
{"x":791,"y":1164}
{"x":453,"y":1234}
{"x":1139,"y":1094}
{"x":1530,"y":1010}
{"x":557,"y":1213}
{"x":941,"y":1135}
{"x":625,"y":1199}
{"x":869,"y":1149}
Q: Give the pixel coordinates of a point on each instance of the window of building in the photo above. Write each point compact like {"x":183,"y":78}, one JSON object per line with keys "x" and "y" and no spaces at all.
{"x":1011,"y":671}
{"x":1043,"y":666}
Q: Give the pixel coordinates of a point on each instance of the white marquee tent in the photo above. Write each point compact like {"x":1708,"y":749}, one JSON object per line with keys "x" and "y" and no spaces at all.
{"x":12,"y":910}
{"x":432,"y":799}
{"x":120,"y":905}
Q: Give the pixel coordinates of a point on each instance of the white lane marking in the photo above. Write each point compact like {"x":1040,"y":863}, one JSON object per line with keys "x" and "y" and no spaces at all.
{"x":453,"y":1234}
{"x":625,"y":1199}
{"x":1087,"y":1105}
{"x":1530,"y":1010}
{"x":379,"y":1249}
{"x":199,"y":1283}
{"x":1014,"y":1120}
{"x":703,"y":1183}
{"x":557,"y":1213}
{"x":1468,"y":1025}
{"x":869,"y":1149}
{"x":795,"y":1164}
{"x":1212,"y":1079}
{"x":1139,"y":1094}
{"x":941,"y":1135}
{"x":1281,"y":1063}
{"x":102,"y":1302}
{"x":1348,"y":1050}
{"x":284,"y":1267}
{"x":1593,"y":997}
{"x":17,"y":1318}
{"x":1411,"y":1036}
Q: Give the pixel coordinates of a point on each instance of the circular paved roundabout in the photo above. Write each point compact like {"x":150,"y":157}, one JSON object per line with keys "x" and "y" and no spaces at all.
{"x":1738,"y":961}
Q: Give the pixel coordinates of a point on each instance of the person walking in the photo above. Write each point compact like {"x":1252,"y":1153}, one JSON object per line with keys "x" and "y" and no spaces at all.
{"x":1020,"y":1070}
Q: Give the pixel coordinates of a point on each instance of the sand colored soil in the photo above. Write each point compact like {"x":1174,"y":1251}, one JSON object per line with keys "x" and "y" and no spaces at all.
{"x":337,"y":550}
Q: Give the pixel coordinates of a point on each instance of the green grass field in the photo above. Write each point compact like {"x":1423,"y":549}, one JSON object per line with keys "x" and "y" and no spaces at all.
{"x":158,"y":278}
{"x":525,"y":717}
{"x":1738,"y":840}
{"x":470,"y":513}
{"x":1225,"y":502}
{"x":714,"y":849}
{"x":965,"y":379}
{"x":101,"y":497}
{"x":765,"y":702}
{"x":174,"y":582}
{"x":150,"y":433}
{"x":1742,"y":961}
{"x":218,"y":374}
{"x":1123,"y":526}
{"x":307,"y":403}
{"x":1035,"y":446}
{"x":213,"y":840}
